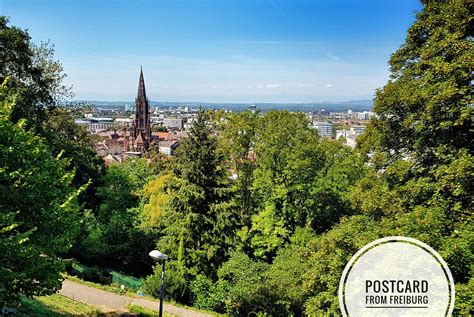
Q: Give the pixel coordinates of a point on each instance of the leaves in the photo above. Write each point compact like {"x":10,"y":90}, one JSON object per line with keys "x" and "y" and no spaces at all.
{"x":38,"y":210}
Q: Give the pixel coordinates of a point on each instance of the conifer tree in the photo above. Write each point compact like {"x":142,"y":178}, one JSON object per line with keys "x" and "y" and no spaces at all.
{"x":195,"y":214}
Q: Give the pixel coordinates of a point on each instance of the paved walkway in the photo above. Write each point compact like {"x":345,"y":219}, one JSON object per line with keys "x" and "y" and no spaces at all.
{"x":98,"y":297}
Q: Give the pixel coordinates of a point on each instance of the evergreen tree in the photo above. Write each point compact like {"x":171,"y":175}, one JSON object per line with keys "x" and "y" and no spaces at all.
{"x":195,"y":214}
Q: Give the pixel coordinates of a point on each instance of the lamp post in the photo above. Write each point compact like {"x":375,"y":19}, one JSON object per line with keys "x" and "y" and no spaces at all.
{"x":157,"y":256}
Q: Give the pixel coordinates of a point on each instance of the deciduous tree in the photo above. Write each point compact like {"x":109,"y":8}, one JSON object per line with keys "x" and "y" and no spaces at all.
{"x":38,"y":209}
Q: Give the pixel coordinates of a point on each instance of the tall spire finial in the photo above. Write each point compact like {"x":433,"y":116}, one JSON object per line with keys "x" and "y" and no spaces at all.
{"x":141,"y":85}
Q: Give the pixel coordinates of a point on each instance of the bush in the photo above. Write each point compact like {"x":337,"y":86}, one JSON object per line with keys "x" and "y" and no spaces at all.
{"x":284,"y":278}
{"x":91,"y":274}
{"x":176,"y":285}
{"x":96,"y":275}
{"x":464,"y":299}
{"x":209,"y":295}
{"x":244,"y":278}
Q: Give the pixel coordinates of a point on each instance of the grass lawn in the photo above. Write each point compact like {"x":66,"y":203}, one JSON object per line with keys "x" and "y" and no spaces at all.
{"x":145,"y":312}
{"x":57,"y":305}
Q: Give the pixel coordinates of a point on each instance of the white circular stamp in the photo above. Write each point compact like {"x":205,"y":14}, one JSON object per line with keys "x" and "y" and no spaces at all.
{"x":396,"y":276}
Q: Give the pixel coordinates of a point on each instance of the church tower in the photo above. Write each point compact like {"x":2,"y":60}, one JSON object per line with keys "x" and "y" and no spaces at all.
{"x":141,"y":132}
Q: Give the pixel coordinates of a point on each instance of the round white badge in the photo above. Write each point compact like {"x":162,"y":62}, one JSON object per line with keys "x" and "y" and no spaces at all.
{"x":396,"y":276}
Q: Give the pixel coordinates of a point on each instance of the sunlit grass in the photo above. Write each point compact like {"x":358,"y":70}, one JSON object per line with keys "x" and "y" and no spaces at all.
{"x":58,"y":305}
{"x":145,"y":312}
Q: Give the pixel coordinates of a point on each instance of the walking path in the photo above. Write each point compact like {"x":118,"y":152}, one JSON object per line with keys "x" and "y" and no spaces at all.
{"x":98,"y":297}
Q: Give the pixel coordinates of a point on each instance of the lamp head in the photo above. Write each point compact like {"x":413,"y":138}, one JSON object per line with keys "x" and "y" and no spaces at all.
{"x":157,"y":255}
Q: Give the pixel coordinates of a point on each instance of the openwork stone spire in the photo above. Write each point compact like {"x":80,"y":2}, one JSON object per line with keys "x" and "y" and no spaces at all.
{"x":141,"y":125}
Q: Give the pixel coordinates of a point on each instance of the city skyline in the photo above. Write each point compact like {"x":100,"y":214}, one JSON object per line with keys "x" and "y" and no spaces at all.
{"x":220,"y":51}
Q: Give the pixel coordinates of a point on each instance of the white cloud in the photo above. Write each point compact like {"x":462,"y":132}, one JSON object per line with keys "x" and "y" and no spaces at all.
{"x":328,"y":85}
{"x":307,"y":85}
{"x":269,"y":86}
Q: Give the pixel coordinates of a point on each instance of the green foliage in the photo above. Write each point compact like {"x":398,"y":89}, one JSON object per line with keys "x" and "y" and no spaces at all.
{"x":192,"y":209}
{"x":176,"y":285}
{"x":236,"y":141}
{"x":268,"y":232}
{"x":76,"y":144}
{"x":209,"y":295}
{"x":112,"y":238}
{"x":421,"y":184}
{"x":246,"y":286}
{"x":33,"y":72}
{"x":38,"y":81}
{"x":284,"y":278}
{"x":329,"y":254}
{"x":464,"y":299}
{"x":458,"y":251}
{"x":244,"y":279}
{"x":425,"y":107}
{"x":121,"y":186}
{"x":38,"y":209}
{"x":301,"y":181}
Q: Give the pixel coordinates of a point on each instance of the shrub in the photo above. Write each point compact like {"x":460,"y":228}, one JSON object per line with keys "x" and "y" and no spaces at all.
{"x":176,"y":285}
{"x":209,"y":295}
{"x":244,"y":279}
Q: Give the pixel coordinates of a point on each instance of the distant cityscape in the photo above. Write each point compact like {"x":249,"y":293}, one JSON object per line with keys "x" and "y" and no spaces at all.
{"x":128,"y":129}
{"x":355,"y":105}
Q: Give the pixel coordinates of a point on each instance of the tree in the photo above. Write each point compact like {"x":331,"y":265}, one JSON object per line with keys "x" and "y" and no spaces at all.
{"x":424,"y":111}
{"x":33,"y":72}
{"x":38,"y":209}
{"x":300,"y":180}
{"x":112,"y":237}
{"x":424,"y":124}
{"x":41,"y":93}
{"x":287,"y":155}
{"x":420,"y":185}
{"x":236,"y":142}
{"x":193,"y":210}
{"x":64,"y":135}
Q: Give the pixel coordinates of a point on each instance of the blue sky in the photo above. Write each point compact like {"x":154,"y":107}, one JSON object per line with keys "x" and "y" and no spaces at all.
{"x":220,"y":50}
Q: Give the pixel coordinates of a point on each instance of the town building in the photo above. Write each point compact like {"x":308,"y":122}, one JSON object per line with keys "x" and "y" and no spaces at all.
{"x":365,"y":115}
{"x":167,"y":147}
{"x":173,"y":123}
{"x":324,"y":128}
{"x":350,"y":135}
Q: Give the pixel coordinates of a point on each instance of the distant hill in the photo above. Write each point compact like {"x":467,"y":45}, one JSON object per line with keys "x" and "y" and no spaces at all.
{"x":356,"y":105}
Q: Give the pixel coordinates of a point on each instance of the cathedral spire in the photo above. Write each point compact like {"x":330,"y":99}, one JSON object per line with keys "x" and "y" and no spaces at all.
{"x":141,"y":133}
{"x":141,"y":86}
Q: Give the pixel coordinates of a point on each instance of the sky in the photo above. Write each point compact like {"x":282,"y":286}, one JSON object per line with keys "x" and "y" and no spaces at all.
{"x":220,"y":50}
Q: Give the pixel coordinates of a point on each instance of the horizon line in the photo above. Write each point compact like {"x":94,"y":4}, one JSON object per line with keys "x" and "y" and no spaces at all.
{"x":222,"y":102}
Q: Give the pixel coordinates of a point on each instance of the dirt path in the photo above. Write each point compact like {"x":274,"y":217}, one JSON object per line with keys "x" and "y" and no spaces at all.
{"x":98,"y":297}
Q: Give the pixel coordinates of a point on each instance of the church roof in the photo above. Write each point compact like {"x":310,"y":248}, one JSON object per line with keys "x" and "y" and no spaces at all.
{"x":139,"y":139}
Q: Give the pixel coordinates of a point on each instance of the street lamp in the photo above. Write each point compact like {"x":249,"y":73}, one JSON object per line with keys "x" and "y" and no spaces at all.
{"x":157,"y":256}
